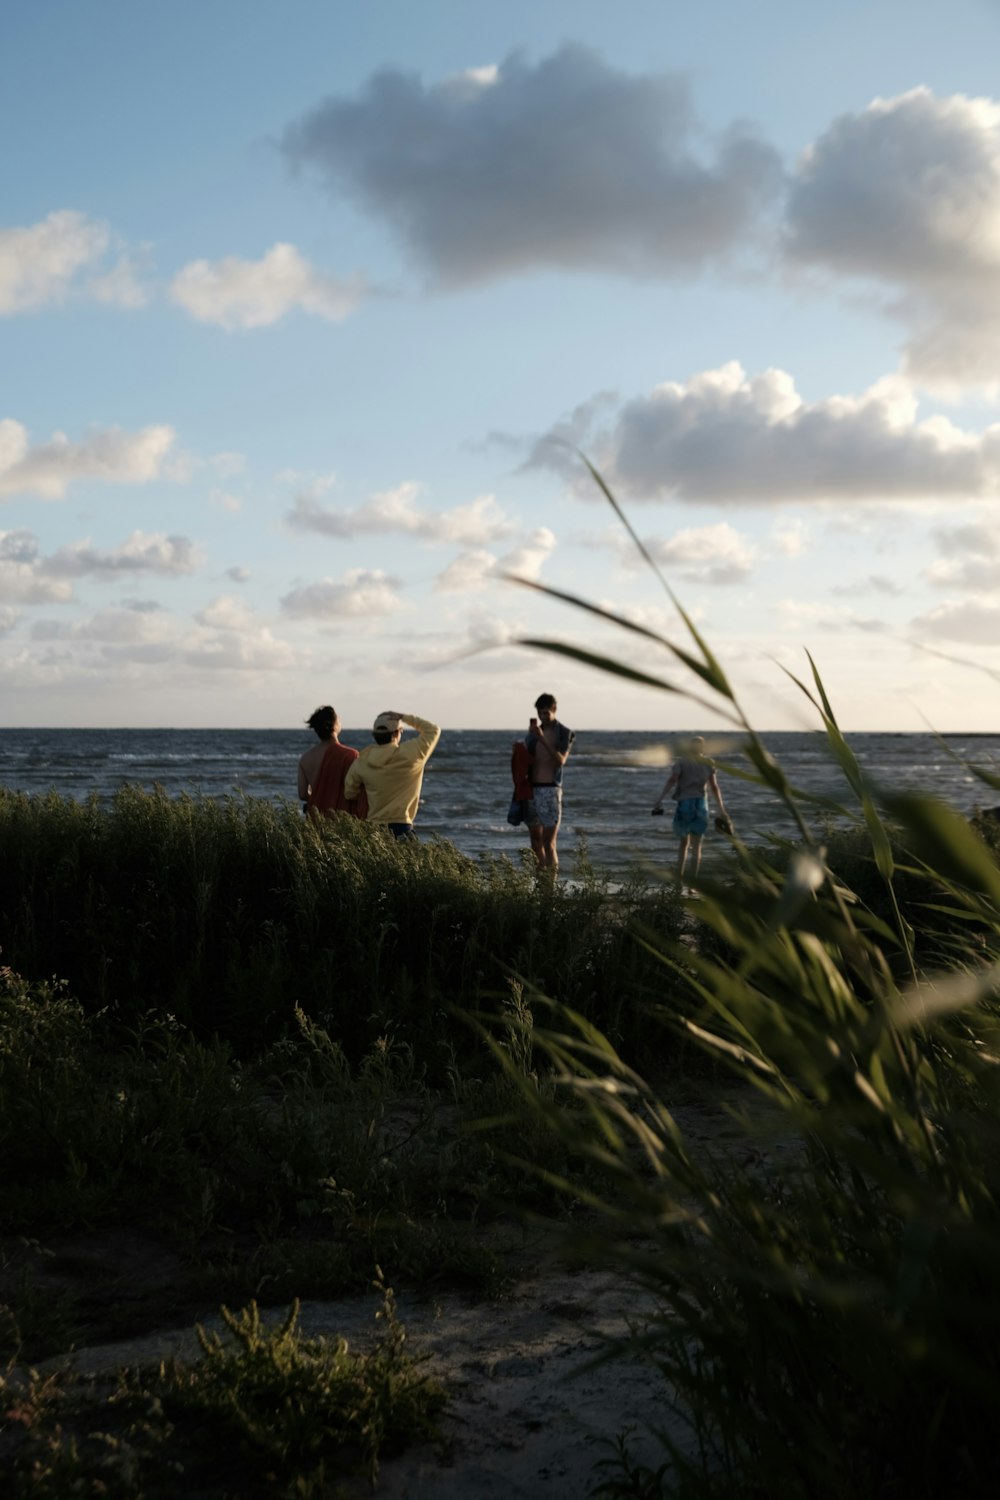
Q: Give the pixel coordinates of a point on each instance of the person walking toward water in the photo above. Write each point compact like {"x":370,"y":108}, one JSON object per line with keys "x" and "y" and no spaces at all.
{"x":392,"y":772}
{"x":548,"y":743}
{"x":689,"y":778}
{"x":323,"y":768}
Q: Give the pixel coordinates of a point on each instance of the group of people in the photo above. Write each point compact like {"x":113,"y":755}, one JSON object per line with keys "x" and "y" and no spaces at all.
{"x":382,"y":783}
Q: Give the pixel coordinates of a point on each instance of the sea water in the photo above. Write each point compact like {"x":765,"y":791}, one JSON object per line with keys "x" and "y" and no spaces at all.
{"x":611,"y":780}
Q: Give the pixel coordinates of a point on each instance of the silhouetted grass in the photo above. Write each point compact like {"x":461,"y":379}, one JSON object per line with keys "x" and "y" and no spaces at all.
{"x":827,"y":1317}
{"x":230,"y":915}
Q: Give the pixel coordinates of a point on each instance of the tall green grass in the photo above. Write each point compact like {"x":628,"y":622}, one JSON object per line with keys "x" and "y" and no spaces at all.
{"x":230,"y":915}
{"x":827,"y":1308}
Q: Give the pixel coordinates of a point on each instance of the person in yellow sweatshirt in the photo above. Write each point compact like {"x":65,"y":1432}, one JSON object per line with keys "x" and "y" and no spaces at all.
{"x":392,"y":772}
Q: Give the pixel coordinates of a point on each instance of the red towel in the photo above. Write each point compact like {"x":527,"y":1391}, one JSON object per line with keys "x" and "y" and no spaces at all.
{"x":520,"y":768}
{"x":327,"y":796}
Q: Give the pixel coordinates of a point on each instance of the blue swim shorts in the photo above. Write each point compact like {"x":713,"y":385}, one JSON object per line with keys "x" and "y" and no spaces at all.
{"x":545,"y":807}
{"x":691,"y":816}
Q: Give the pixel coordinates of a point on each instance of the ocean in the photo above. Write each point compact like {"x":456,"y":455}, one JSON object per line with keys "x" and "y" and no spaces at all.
{"x":611,"y":780}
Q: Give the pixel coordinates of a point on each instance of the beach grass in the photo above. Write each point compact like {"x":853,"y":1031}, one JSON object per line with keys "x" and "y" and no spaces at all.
{"x":827,"y":1313}
{"x":231,"y":915}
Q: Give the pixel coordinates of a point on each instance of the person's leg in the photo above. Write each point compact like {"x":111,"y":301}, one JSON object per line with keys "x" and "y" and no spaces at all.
{"x":696,"y":851}
{"x":550,"y":860}
{"x":536,"y":831}
{"x":682,"y":853}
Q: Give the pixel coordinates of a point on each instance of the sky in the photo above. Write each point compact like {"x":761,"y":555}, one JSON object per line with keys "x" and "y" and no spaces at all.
{"x":310,"y":312}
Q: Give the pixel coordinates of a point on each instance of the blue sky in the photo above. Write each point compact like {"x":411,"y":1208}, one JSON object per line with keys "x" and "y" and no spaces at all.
{"x":304,"y":309}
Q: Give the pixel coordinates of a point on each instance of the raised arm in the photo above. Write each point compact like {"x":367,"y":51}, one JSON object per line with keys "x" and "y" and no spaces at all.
{"x":428,"y":735}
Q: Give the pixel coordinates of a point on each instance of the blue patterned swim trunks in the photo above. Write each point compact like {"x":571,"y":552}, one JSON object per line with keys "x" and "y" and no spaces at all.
{"x":691,"y":816}
{"x":546,"y":807}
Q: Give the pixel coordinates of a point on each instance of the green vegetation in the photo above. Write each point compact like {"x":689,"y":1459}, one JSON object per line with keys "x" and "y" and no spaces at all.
{"x":230,"y":915}
{"x":266,"y":1412}
{"x":827,"y":1307}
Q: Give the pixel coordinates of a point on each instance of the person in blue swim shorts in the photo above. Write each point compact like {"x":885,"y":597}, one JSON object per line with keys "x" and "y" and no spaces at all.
{"x":691,"y":776}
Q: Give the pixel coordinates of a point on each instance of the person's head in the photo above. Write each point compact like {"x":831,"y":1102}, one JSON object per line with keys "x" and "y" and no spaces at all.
{"x":324,"y":721}
{"x":545,"y":707}
{"x":386,"y":729}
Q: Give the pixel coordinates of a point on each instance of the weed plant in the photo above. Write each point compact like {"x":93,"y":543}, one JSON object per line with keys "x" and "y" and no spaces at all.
{"x":826,"y":1308}
{"x":266,"y":1412}
{"x":230,"y":915}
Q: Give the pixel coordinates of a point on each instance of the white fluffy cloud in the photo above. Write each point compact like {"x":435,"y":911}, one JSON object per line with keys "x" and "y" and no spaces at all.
{"x":139,"y":635}
{"x":700,"y":554}
{"x":236,"y":293}
{"x":725,"y":437}
{"x":566,"y":163}
{"x":907,"y":193}
{"x":109,"y":454}
{"x":361,"y":592}
{"x":474,"y":524}
{"x":67,"y":252}
{"x":229,"y":648}
{"x":226,"y":613}
{"x":143,"y":552}
{"x":21,"y":578}
{"x":471,"y":569}
{"x":113,"y":627}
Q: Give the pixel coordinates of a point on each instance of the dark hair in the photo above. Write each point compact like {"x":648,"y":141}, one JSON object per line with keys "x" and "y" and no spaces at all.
{"x":323,"y":720}
{"x":545,"y":700}
{"x":382,"y":736}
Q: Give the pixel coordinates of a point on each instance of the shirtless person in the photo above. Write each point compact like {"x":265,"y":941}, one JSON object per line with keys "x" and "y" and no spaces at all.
{"x":549,"y":744}
{"x":323,"y":768}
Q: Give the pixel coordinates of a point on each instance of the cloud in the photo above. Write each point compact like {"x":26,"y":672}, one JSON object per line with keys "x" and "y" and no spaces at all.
{"x":107,"y":454}
{"x":359,"y":593}
{"x":728,"y":437}
{"x":797,"y":617}
{"x":568,"y":163}
{"x":144,"y":635}
{"x":21,"y":579}
{"x":234,"y":651}
{"x":226,"y":613}
{"x":471,"y":569}
{"x":113,"y":627}
{"x":43,"y":263}
{"x":875,"y":583}
{"x":143,"y":552}
{"x":717,"y":554}
{"x":479,"y":521}
{"x":907,"y":193}
{"x":467,"y":571}
{"x":234,"y":293}
{"x":8,"y":618}
{"x":790,"y":538}
{"x":970,"y":558}
{"x":238,"y":575}
{"x":974,"y":623}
